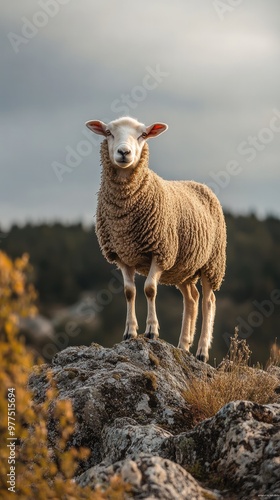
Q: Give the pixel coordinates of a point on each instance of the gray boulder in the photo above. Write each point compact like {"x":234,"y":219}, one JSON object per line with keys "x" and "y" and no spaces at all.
{"x":126,"y":439}
{"x":140,"y":379}
{"x":150,"y":477}
{"x":239,"y":446}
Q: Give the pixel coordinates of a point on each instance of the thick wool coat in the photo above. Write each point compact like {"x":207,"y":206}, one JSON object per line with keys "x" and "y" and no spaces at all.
{"x":181,"y":223}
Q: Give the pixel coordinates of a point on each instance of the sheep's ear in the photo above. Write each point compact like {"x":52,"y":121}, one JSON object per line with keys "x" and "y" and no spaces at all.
{"x":156,"y":129}
{"x":97,"y":127}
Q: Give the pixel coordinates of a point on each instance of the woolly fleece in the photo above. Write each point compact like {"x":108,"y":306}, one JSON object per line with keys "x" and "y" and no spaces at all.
{"x":179,"y":222}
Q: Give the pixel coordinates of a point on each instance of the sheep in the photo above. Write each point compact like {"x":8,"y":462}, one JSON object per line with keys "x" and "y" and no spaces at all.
{"x":172,"y":232}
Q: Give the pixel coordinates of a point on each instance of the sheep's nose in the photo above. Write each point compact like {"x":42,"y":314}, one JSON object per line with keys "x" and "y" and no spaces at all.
{"x":124,"y":152}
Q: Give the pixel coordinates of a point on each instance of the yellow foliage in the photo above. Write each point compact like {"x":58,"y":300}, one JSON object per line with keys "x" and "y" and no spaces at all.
{"x":17,"y":294}
{"x":41,"y":472}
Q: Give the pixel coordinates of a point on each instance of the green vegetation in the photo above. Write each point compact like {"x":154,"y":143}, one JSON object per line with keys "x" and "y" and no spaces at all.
{"x":67,"y":263}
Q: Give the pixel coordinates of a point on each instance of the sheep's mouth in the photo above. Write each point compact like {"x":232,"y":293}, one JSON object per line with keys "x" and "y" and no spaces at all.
{"x":123,"y":163}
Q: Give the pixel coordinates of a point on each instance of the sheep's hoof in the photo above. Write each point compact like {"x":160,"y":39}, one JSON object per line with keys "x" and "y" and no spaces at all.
{"x":151,"y":335}
{"x":128,"y":336}
{"x":201,"y":357}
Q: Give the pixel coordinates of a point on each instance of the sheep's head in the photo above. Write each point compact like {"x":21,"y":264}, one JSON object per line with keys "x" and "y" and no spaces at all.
{"x":126,"y":138}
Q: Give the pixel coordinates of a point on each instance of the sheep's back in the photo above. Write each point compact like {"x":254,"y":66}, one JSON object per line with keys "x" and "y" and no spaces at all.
{"x":201,"y":231}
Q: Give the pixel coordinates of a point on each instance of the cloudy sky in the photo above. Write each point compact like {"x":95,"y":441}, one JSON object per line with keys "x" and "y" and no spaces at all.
{"x":208,"y":68}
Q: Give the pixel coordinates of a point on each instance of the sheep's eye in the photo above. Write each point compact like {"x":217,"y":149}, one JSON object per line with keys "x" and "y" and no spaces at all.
{"x":143,"y":136}
{"x":107,"y":132}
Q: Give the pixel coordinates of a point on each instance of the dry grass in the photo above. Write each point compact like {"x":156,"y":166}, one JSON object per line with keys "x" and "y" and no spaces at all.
{"x":233,"y":380}
{"x":274,"y":359}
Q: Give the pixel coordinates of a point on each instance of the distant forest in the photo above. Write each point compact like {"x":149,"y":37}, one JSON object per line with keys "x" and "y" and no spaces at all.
{"x":68,"y":265}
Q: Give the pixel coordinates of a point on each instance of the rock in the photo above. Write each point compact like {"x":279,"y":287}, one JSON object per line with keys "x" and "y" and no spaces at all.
{"x":125,"y":439}
{"x":150,"y":477}
{"x":240,"y":445}
{"x":140,"y":379}
{"x":131,"y":412}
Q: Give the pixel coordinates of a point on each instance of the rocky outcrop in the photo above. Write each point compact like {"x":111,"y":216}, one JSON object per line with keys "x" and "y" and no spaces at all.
{"x":151,"y":477}
{"x":239,"y":446}
{"x":131,"y":412}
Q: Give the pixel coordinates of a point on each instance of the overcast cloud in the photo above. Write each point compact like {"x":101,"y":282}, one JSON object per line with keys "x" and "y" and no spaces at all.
{"x":212,"y":74}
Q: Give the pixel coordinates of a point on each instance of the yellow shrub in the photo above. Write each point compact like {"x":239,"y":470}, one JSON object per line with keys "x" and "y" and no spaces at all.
{"x":40,"y":472}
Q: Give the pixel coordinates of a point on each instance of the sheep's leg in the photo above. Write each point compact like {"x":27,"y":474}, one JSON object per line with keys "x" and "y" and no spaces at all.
{"x":131,"y":325}
{"x":191,"y":298}
{"x":150,"y":288}
{"x":208,"y":316}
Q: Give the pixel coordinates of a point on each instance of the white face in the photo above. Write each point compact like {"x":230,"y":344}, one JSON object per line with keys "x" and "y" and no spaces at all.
{"x":125,"y":142}
{"x":126,"y":138}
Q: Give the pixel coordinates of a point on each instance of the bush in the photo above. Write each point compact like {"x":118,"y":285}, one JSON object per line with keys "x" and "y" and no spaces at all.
{"x":233,"y":380}
{"x":40,"y":471}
